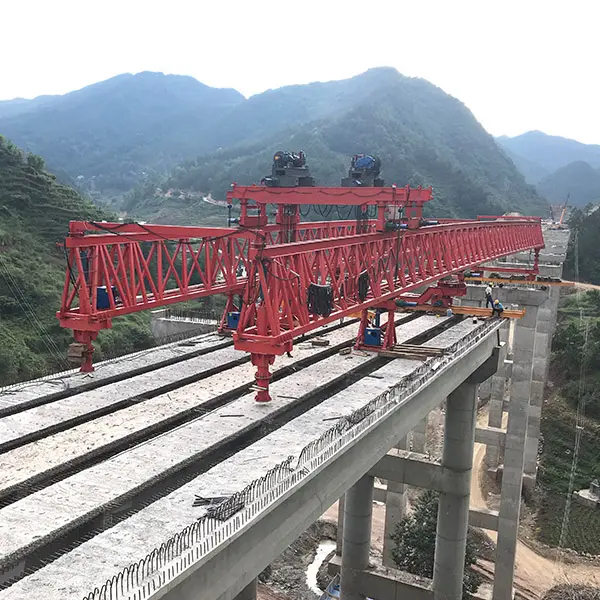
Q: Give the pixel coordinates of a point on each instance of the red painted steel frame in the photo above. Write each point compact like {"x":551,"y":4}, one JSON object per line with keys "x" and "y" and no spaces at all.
{"x":146,"y":269}
{"x":396,"y":263}
{"x":317,"y":230}
{"x":254,"y":197}
{"x":156,"y":265}
{"x":275,"y":300}
{"x":353,"y":196}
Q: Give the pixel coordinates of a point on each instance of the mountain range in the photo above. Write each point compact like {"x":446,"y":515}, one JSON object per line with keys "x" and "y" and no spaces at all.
{"x":153,"y":131}
{"x":557,"y":166}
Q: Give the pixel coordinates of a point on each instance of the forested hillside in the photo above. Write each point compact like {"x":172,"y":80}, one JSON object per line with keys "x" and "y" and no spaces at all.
{"x":557,"y":166}
{"x":34,"y":213}
{"x":115,"y":130}
{"x":134,"y":129}
{"x":422,"y":135}
{"x":531,"y":170}
{"x":585,"y":229}
{"x":574,"y":402}
{"x":579,"y":179}
{"x":551,"y":152}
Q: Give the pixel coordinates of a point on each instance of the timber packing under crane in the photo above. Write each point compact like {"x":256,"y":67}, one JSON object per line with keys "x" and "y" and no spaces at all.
{"x":287,"y":278}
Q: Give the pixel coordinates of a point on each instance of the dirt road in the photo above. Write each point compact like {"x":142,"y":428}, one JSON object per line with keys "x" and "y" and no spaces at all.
{"x":534,"y":573}
{"x":584,"y":286}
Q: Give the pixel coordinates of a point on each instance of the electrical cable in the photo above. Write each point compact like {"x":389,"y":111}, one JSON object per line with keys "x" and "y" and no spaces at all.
{"x":30,"y":314}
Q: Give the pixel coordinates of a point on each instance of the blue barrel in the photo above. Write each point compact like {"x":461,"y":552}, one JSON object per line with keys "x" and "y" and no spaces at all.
{"x":372,"y":336}
{"x":233,"y":318}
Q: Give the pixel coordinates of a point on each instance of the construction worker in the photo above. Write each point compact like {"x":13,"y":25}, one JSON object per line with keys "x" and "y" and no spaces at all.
{"x":497,"y":309}
{"x":489,"y":301}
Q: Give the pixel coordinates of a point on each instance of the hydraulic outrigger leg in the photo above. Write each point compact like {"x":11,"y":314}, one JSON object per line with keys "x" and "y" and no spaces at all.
{"x":262,"y":362}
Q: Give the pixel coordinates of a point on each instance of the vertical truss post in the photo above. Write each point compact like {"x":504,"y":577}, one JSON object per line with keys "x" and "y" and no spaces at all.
{"x":364,"y":323}
{"x":389,"y":340}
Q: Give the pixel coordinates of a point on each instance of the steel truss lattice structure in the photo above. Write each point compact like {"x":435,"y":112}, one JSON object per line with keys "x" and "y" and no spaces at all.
{"x":286,"y":278}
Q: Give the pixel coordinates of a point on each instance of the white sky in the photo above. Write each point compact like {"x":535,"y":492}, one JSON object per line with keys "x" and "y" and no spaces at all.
{"x":518,"y":65}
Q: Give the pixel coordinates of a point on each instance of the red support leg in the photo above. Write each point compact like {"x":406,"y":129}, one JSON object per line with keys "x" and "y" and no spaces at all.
{"x":263,"y":375}
{"x":86,"y":338}
{"x":229,"y":307}
{"x":364,"y":323}
{"x":389,"y":340}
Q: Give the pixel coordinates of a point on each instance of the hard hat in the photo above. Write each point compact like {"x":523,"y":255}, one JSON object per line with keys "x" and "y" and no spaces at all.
{"x":496,"y":301}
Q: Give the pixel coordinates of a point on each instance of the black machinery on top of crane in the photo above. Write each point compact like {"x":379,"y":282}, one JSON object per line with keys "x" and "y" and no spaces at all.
{"x":289,"y":170}
{"x":364,"y":172}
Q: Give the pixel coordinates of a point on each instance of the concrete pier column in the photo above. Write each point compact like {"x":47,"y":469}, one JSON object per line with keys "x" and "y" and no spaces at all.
{"x":453,"y":513}
{"x":419,"y":437}
{"x":249,"y":592}
{"x":395,"y":510}
{"x":358,"y":512}
{"x":541,"y":362}
{"x":496,"y":404}
{"x":340,"y":526}
{"x":514,"y":455}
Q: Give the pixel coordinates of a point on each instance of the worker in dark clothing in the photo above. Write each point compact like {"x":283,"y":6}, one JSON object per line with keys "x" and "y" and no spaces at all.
{"x":497,"y":309}
{"x":489,"y":301}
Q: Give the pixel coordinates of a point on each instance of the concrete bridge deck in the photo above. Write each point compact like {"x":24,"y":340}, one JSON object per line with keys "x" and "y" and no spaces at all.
{"x":21,"y":396}
{"x":98,"y":471}
{"x":131,"y":539}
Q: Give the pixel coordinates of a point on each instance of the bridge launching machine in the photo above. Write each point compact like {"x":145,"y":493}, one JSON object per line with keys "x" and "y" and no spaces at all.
{"x":285,"y":278}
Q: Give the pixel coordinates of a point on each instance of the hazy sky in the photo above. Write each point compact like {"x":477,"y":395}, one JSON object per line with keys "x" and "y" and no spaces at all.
{"x":518,"y":65}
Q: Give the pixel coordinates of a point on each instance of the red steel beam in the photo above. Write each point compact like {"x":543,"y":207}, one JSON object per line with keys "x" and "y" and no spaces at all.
{"x":343,"y":196}
{"x":116,"y":269}
{"x":275,"y":303}
{"x":194,"y":262}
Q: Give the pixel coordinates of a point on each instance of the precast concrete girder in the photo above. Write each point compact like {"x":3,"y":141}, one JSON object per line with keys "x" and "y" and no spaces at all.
{"x":225,"y":571}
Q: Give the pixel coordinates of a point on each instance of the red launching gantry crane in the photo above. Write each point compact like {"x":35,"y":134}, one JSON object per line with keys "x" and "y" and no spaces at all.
{"x":287,"y":278}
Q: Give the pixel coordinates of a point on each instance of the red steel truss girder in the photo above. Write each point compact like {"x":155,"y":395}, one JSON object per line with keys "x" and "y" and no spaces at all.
{"x":137,"y":231}
{"x":130,"y":256}
{"x":275,"y":309}
{"x":318,"y":230}
{"x":146,"y":276}
{"x":355,"y":196}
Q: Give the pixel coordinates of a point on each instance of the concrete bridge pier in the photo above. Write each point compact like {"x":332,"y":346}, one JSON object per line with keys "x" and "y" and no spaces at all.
{"x":358,"y":512}
{"x":395,"y":510}
{"x":453,"y":511}
{"x":546,"y":317}
{"x":514,"y":454}
{"x":249,"y":592}
{"x":339,"y":541}
{"x":496,"y":402}
{"x":419,"y":437}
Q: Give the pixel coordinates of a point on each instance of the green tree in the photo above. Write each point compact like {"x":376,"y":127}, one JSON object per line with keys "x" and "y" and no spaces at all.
{"x":414,"y":543}
{"x":37,"y":162}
